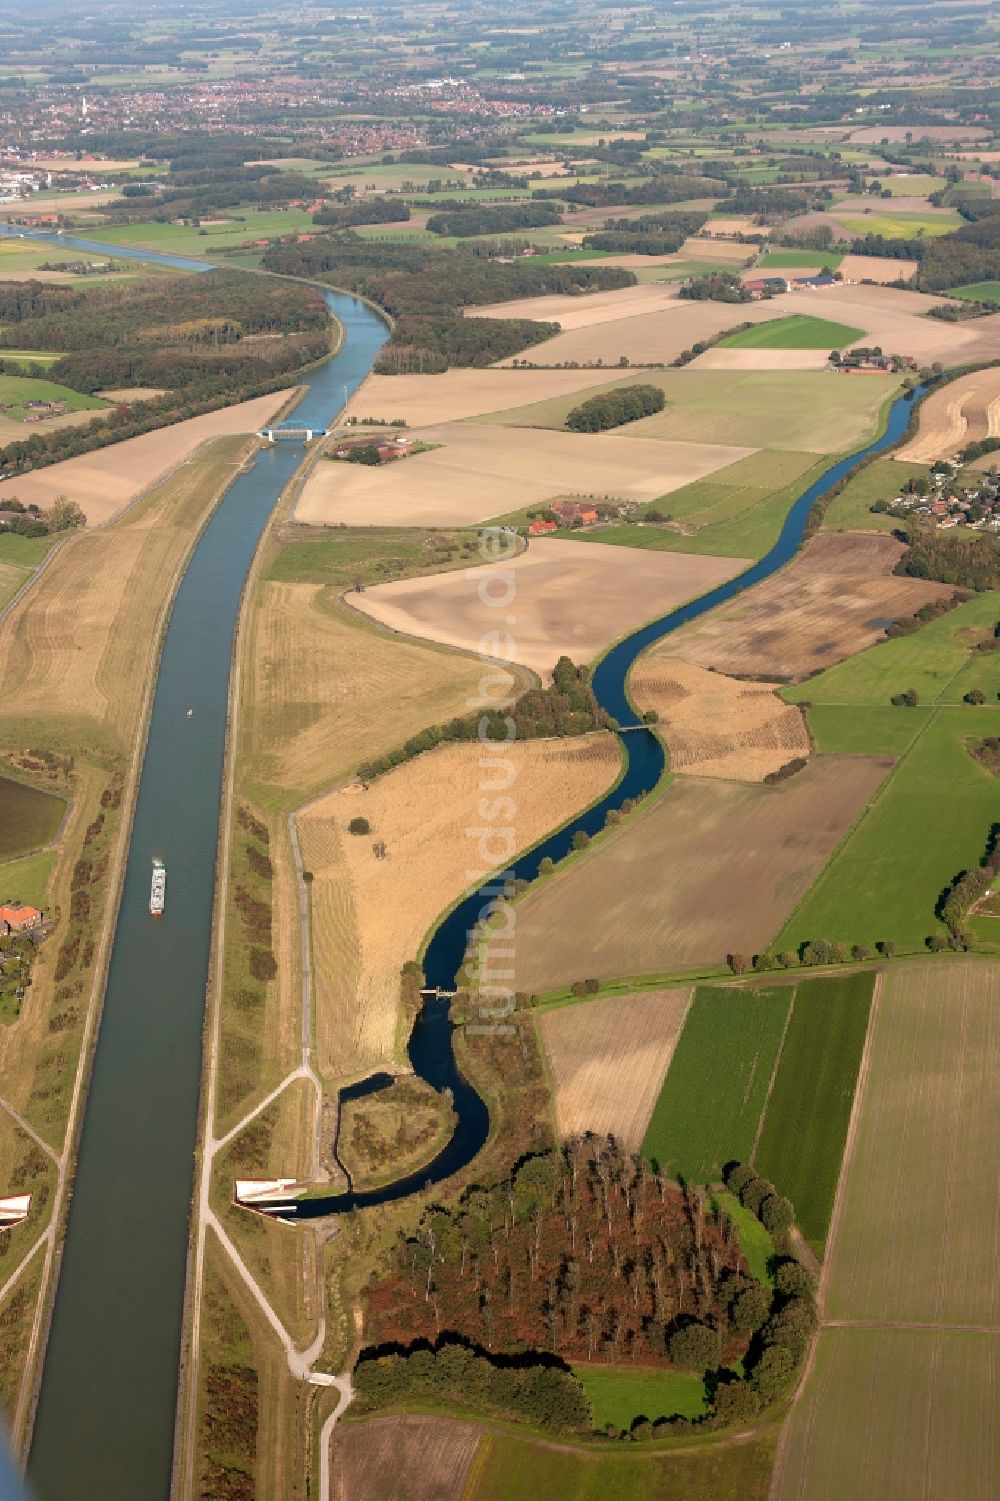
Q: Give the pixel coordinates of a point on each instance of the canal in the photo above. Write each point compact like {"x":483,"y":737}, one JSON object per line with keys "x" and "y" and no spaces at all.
{"x":105,"y":1423}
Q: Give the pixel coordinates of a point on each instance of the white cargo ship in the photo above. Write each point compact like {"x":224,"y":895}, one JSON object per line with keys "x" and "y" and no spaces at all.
{"x":158,"y":889}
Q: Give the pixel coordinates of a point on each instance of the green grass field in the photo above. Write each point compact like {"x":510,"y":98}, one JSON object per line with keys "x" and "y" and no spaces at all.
{"x":779,"y":260}
{"x":508,"y":1469}
{"x":28,"y":817}
{"x":23,"y":552}
{"x":182,"y":239}
{"x":25,"y":880}
{"x":798,"y":331}
{"x":929,"y":821}
{"x":28,"y":356}
{"x":620,"y":1394}
{"x":805,"y":1126}
{"x":755,"y":1242}
{"x":902,"y":226}
{"x":372,"y":554}
{"x":17,"y":390}
{"x":978,"y":291}
{"x":866,"y":729}
{"x":912,"y":184}
{"x":883,"y":479}
{"x":715,"y":1088}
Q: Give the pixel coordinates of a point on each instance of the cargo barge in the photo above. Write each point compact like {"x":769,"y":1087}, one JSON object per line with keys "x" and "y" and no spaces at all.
{"x":158,"y":889}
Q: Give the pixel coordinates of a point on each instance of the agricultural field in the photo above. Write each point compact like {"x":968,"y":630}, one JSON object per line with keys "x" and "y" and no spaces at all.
{"x":12,"y":579}
{"x":875,"y":268}
{"x":707,"y":868}
{"x":27,"y":879}
{"x":978,"y":291}
{"x":358,"y":954}
{"x":885,"y":880}
{"x":28,"y":817}
{"x":105,"y":481}
{"x":100,"y":597}
{"x":324,"y":691}
{"x":804,"y":1128}
{"x":834,"y":599}
{"x":475,"y":472}
{"x":456,"y":395}
{"x":894,"y":1413}
{"x":923,"y":1252}
{"x":964,"y":411}
{"x":812,"y":412}
{"x":796,"y":331}
{"x":805,"y":262}
{"x":607,"y":1059}
{"x":940,"y":661}
{"x":717,"y":726}
{"x":409,"y":1457}
{"x":508,"y":1468}
{"x":910,"y":1286}
{"x":718,"y":1082}
{"x":565,"y":598}
{"x":17,"y":391}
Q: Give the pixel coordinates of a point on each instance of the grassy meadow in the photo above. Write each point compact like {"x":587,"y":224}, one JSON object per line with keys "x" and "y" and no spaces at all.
{"x":28,"y":817}
{"x":620,"y":1394}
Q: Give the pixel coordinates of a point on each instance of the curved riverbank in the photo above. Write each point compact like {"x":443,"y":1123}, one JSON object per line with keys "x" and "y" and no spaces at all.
{"x":431,"y":1049}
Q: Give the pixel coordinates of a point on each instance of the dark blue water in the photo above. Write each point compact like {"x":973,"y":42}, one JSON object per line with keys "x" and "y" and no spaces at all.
{"x":105,"y":1423}
{"x":431,"y":1050}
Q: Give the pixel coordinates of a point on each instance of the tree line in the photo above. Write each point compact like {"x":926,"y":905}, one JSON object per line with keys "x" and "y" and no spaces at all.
{"x":468,"y":219}
{"x":566,"y":707}
{"x":968,"y":562}
{"x":615,"y":408}
{"x":424,"y":288}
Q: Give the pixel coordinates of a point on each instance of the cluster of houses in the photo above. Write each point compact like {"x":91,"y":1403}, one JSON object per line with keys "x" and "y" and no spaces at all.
{"x":566,"y":513}
{"x":976,"y":506}
{"x":387,"y":448}
{"x":770,"y":286}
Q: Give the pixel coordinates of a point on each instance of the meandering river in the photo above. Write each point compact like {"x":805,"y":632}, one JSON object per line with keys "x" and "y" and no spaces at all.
{"x":105,"y":1422}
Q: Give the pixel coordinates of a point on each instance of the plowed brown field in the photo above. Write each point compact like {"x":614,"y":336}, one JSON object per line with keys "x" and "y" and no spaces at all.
{"x":567,"y":597}
{"x":404,"y":1458}
{"x":716,"y":726}
{"x":608,"y":1059}
{"x":829,"y":603}
{"x":706,"y":869}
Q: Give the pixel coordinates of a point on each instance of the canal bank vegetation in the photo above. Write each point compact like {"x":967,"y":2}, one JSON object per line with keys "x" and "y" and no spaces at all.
{"x":277,"y":1143}
{"x":17,"y":1315}
{"x":389,"y":1134}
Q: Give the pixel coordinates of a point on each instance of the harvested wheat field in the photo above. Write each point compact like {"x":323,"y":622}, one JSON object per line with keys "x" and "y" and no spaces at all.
{"x":728,"y":251}
{"x":608,"y":1059}
{"x":405,"y":1458}
{"x":880,"y":268}
{"x":13,"y":431}
{"x":76,"y":645}
{"x":375,"y":895}
{"x":586,"y":311}
{"x":456,"y":394}
{"x":105,"y":481}
{"x":716,"y":726}
{"x":762,"y":359}
{"x":324,"y":691}
{"x":480,"y":470}
{"x":831,"y":601}
{"x":568,"y":597}
{"x":964,"y":411}
{"x":133,"y":393}
{"x":707,"y":868}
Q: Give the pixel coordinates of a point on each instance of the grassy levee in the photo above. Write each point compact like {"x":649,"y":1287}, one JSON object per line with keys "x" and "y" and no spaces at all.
{"x":17,"y":1315}
{"x":507,"y":1468}
{"x":79,"y":650}
{"x":809,"y":1108}
{"x":715,"y":1088}
{"x":249,"y":1416}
